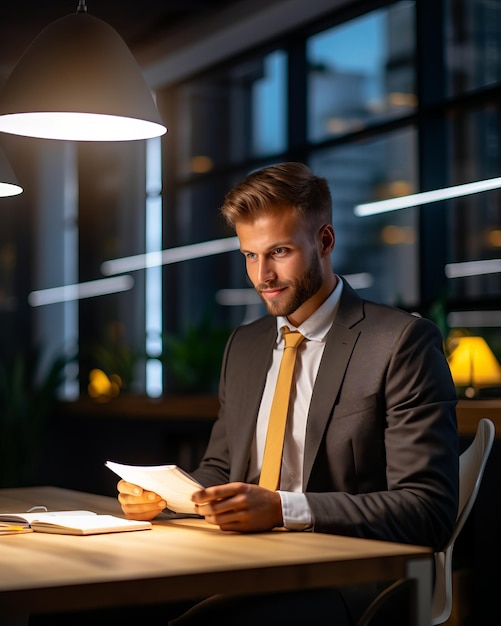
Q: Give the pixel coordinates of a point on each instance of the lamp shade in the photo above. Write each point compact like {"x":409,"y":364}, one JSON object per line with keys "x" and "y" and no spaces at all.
{"x":9,"y":185}
{"x":473,"y":363}
{"x":79,"y":81}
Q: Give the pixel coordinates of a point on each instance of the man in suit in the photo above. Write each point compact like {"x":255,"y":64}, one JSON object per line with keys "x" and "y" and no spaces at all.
{"x":371,"y":446}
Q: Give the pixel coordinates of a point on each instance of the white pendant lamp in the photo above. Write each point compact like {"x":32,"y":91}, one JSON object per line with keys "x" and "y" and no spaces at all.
{"x":79,"y":81}
{"x":9,"y":185}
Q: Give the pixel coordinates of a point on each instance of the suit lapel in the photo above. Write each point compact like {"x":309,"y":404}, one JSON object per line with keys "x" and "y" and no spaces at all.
{"x":339,"y":346}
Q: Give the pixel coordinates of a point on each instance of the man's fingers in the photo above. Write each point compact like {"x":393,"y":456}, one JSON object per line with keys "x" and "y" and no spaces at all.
{"x":129,"y":488}
{"x":218,"y":492}
{"x":146,"y":499}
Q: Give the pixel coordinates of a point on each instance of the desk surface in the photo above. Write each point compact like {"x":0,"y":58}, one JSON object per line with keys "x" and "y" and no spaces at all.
{"x":176,"y":560}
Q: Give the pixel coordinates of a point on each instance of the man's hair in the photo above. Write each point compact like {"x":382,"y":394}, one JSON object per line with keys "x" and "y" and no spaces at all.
{"x":271,"y":189}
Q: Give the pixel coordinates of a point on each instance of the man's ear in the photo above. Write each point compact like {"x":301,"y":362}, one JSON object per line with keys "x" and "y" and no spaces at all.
{"x":327,"y":239}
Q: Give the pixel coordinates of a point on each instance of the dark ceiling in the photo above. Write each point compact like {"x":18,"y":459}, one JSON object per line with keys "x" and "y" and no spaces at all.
{"x":139,"y":23}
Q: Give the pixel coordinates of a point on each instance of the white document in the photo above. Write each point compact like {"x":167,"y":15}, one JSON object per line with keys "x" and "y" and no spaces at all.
{"x":170,"y":482}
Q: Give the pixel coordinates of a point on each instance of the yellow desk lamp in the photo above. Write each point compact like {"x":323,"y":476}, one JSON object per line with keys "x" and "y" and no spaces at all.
{"x":473,"y":365}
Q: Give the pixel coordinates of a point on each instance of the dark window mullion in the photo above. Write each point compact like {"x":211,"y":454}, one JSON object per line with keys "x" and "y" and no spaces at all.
{"x":433,"y":150}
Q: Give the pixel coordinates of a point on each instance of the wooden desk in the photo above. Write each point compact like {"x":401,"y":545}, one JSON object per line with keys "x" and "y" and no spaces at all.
{"x":46,"y":573}
{"x":469,"y":412}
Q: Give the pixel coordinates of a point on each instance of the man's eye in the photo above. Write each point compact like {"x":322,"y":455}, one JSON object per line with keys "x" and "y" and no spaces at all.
{"x":280,"y":251}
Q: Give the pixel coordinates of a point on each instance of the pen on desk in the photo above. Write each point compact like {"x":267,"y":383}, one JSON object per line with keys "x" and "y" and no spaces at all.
{"x":11,"y":527}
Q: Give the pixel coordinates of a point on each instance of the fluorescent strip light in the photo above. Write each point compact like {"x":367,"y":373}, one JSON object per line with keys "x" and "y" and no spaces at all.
{"x":237,"y":297}
{"x":172,"y":255}
{"x":416,"y":199}
{"x":473,"y":268}
{"x":363,"y":280}
{"x":101,"y":287}
{"x":474,"y":319}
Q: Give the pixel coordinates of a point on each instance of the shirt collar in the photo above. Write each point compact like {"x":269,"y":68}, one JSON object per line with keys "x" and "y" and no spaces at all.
{"x":318,"y":324}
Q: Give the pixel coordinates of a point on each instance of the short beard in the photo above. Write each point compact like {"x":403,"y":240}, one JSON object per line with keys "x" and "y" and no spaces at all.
{"x":303,"y":289}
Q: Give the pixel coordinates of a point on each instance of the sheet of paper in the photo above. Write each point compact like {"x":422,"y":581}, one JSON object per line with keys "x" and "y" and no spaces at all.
{"x":169,"y":481}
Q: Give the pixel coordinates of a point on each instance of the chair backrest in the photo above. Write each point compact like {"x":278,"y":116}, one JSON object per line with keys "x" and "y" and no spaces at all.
{"x":471,"y":469}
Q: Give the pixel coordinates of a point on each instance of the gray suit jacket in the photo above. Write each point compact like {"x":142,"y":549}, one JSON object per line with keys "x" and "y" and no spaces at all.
{"x":381,"y":449}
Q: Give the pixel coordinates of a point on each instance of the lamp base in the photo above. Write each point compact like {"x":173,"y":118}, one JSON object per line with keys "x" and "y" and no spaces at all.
{"x":475,"y":393}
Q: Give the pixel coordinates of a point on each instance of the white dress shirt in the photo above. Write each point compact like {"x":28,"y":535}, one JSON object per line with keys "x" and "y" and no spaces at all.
{"x":295,"y":509}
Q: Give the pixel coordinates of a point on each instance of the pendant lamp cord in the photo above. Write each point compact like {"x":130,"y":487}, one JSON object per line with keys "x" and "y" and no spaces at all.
{"x":82,"y":7}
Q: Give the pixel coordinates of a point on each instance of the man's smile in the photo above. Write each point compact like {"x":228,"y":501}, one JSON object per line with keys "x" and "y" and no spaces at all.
{"x":272,"y":292}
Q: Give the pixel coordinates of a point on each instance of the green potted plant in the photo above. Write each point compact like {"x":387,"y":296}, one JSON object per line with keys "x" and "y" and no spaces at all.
{"x":28,"y":397}
{"x":193,"y":356}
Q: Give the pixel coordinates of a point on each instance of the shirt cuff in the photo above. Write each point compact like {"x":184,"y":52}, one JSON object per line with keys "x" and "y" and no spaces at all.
{"x":296,"y":511}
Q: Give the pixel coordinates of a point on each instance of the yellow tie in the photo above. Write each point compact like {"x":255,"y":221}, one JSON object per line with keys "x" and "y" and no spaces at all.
{"x":272,"y":459}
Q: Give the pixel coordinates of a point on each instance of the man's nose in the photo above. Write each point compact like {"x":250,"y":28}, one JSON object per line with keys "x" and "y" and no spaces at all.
{"x":265,"y":271}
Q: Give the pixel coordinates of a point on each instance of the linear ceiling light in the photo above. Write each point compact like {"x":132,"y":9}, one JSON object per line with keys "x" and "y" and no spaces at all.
{"x":474,"y":319}
{"x":473,"y":268}
{"x":172,"y":255}
{"x":79,"y":81}
{"x":90,"y":289}
{"x":416,"y":199}
{"x":239,"y":297}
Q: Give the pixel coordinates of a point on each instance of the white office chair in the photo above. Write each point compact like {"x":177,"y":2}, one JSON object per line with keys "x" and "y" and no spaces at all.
{"x":471,"y":469}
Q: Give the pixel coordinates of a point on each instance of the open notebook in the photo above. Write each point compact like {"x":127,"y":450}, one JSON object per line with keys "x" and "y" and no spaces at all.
{"x":68,"y":523}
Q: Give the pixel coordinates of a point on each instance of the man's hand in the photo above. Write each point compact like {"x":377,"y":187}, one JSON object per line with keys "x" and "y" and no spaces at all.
{"x":240,"y":506}
{"x":137,"y":503}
